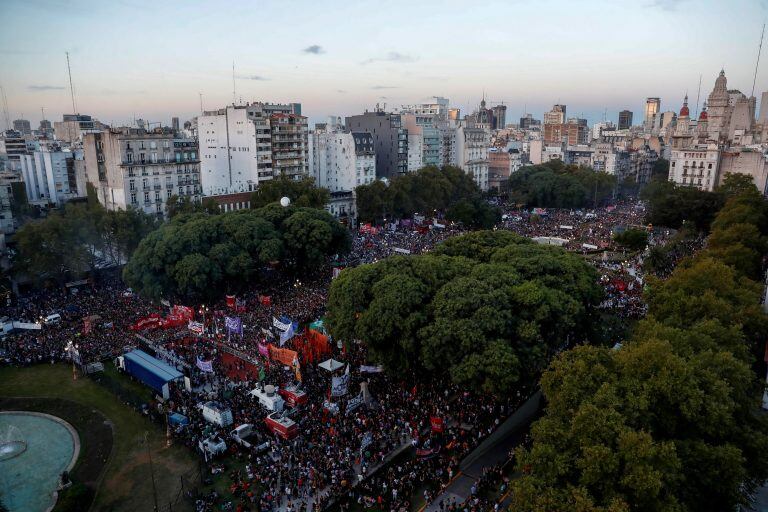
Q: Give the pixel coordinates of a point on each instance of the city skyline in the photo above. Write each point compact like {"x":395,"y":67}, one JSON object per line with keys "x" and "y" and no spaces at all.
{"x":152,"y":61}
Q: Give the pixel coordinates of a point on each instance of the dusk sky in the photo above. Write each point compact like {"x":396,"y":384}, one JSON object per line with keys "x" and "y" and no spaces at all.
{"x":151,"y":59}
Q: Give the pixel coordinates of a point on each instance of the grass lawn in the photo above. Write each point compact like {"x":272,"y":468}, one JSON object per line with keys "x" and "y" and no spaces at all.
{"x":127,"y":483}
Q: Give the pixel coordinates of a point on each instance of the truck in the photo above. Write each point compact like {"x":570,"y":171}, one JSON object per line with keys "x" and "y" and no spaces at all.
{"x":149,"y":370}
{"x":268,"y":398}
{"x":215,"y":413}
{"x":248,"y":437}
{"x":281,"y":425}
{"x":294,"y":396}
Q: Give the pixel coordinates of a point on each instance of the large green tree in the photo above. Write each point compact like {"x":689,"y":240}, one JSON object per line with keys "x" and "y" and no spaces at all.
{"x":488,"y":308}
{"x":559,"y":186}
{"x":202,"y":256}
{"x":302,"y":193}
{"x":428,"y":191}
{"x":669,"y":421}
{"x":77,"y":239}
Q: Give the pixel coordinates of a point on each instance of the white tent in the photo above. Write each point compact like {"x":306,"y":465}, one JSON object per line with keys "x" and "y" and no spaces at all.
{"x":331,"y":365}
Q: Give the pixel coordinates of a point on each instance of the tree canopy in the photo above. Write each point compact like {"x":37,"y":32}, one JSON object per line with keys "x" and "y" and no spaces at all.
{"x":77,"y":239}
{"x":554,"y":185}
{"x":178,"y":205}
{"x":426,"y":191}
{"x":668,"y":421}
{"x":633,"y":239}
{"x":302,"y":193}
{"x":488,"y":308}
{"x":201,"y":256}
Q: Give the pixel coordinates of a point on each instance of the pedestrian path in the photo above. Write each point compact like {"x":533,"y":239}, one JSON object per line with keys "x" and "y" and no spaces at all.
{"x":490,"y":452}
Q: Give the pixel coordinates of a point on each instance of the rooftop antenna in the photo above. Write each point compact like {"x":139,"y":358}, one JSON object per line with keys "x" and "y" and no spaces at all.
{"x":42,"y":113}
{"x":234,"y":93}
{"x":759,"y":50}
{"x":698,"y":96}
{"x":201,"y":102}
{"x":71,"y":88}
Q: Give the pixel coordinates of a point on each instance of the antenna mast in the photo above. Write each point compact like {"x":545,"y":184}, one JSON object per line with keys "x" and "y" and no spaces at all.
{"x":698,"y":96}
{"x":233,"y":83}
{"x":759,"y":50}
{"x":71,"y":88}
{"x":201,"y":103}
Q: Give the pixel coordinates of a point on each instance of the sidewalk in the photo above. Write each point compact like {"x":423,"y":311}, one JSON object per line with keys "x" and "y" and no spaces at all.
{"x":490,"y":452}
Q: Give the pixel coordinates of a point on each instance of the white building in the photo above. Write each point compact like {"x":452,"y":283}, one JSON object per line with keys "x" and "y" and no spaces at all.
{"x":610,"y":159}
{"x":472,"y":153}
{"x":243,"y":145}
{"x":133,"y":168}
{"x":51,"y":176}
{"x":340,"y":162}
{"x":415,"y":150}
{"x":697,"y":166}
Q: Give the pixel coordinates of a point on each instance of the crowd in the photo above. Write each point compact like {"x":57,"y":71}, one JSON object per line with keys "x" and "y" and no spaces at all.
{"x":337,"y":452}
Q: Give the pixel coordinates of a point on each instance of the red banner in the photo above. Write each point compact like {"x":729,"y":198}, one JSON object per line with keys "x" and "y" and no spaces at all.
{"x":265,"y":300}
{"x":436,"y":424}
{"x":152,"y":321}
{"x":184,"y":312}
{"x":230,"y":301}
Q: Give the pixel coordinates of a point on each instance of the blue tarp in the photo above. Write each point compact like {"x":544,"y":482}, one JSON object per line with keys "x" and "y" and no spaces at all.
{"x":150,"y":370}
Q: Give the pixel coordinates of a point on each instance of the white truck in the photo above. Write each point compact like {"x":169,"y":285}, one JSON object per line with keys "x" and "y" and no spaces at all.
{"x":269,"y":398}
{"x":247,"y":436}
{"x":215,"y":413}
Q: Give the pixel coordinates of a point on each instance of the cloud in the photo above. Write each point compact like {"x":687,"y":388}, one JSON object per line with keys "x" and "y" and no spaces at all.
{"x":315,"y":49}
{"x":341,"y":91}
{"x":382,"y":87}
{"x":251,"y":77}
{"x":391,"y":57}
{"x":666,"y":5}
{"x":37,"y":88}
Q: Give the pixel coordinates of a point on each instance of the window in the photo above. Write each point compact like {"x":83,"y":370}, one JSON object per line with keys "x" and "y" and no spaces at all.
{"x":133,"y":197}
{"x":132,"y":185}
{"x":129,"y":157}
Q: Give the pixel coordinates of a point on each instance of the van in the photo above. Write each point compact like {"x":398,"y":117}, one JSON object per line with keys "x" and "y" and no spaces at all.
{"x":52,"y":319}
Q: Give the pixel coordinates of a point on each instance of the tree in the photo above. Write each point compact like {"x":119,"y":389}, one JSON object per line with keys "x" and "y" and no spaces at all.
{"x":632,"y":239}
{"x":668,"y":421}
{"x":559,"y":186}
{"x":660,"y":170}
{"x":77,"y":239}
{"x":475,"y":213}
{"x":200,"y":255}
{"x":427,"y":191}
{"x":672,"y":206}
{"x":488,"y":308}
{"x":185,"y":205}
{"x":302,"y":193}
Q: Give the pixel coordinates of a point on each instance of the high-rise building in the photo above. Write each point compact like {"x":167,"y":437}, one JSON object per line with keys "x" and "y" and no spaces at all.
{"x":175,"y":124}
{"x":499,"y":117}
{"x":652,"y":107}
{"x":72,"y":127}
{"x":133,"y":168}
{"x":51,"y":175}
{"x":13,"y":145}
{"x":625,"y":119}
{"x":556,"y":115}
{"x":22,"y":126}
{"x":341,"y":161}
{"x":244,"y":145}
{"x":527,"y":122}
{"x":390,"y":140}
{"x":472,"y":153}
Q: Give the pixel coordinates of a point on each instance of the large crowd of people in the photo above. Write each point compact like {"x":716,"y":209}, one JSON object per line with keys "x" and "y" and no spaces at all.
{"x":339,"y":455}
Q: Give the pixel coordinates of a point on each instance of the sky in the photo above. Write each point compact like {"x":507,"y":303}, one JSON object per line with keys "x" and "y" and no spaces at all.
{"x":152,"y":59}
